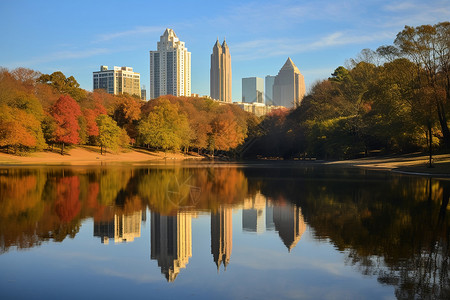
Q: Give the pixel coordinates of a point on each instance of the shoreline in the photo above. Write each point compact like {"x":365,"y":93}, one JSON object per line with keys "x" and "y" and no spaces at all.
{"x":412,"y":164}
{"x":408,"y":164}
{"x":86,"y":156}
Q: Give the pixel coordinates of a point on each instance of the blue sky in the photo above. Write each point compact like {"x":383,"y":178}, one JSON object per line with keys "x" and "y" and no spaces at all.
{"x":76,"y":37}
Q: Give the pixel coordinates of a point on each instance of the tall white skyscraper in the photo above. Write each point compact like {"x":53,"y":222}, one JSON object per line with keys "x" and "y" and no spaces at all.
{"x":170,"y":67}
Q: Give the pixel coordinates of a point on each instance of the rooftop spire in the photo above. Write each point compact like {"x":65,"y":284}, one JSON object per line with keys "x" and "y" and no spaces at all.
{"x":224,"y":44}
{"x":169,"y":32}
{"x":217,"y":44}
{"x":289,"y":65}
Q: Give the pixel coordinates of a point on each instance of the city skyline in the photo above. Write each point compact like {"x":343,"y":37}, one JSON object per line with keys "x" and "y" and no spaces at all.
{"x":171,"y":235}
{"x":318,"y":35}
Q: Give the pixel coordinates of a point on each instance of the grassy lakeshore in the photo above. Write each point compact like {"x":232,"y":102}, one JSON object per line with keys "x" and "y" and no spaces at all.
{"x":89,"y":155}
{"x":411,"y":163}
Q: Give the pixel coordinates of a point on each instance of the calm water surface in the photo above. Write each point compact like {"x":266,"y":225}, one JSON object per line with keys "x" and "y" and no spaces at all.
{"x":266,"y":231}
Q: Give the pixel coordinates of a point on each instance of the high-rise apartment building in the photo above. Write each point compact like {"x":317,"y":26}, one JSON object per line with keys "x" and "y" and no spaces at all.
{"x":119,"y":80}
{"x":289,"y":86}
{"x":220,"y":73}
{"x":268,"y":89}
{"x":170,"y":67}
{"x":252,"y":90}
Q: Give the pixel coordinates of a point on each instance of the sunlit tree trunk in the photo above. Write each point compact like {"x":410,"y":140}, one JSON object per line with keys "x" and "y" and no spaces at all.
{"x":430,"y":140}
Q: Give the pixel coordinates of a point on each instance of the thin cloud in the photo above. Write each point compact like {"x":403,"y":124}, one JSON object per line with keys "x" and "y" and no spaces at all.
{"x":63,"y":55}
{"x":414,"y":14}
{"x":140,"y":30}
{"x":283,"y":262}
{"x":400,"y":6}
{"x":264,"y":48}
{"x":140,"y":278}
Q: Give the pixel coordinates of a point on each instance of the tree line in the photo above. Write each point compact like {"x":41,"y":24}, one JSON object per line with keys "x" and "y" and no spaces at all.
{"x":38,"y":111}
{"x":391,"y":100}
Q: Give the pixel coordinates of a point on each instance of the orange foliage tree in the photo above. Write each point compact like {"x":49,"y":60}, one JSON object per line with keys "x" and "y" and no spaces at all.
{"x":66,"y":112}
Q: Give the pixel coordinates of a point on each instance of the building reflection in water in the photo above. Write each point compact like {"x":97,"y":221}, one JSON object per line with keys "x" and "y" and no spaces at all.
{"x":171,"y":242}
{"x":122,"y":228}
{"x":253,"y":216}
{"x":260,"y":215}
{"x":222,"y":236}
{"x":289,"y":223}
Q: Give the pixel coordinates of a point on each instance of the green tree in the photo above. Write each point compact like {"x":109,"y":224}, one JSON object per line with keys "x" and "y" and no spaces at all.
{"x":49,"y":128}
{"x":110,"y":135}
{"x":64,"y":85}
{"x":165,"y":127}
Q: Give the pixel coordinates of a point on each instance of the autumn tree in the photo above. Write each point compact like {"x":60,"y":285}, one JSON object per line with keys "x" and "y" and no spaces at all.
{"x":428,"y":47}
{"x":226,"y":133}
{"x":109,"y":134}
{"x":63,"y":84}
{"x":20,"y":117}
{"x":90,"y":116}
{"x":14,"y":132}
{"x":49,"y":126}
{"x":126,"y":111}
{"x":165,"y":127}
{"x":66,"y":112}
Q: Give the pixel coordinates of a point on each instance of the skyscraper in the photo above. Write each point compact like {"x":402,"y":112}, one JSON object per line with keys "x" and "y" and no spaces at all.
{"x":289,"y":86}
{"x":268,"y":89}
{"x":220,"y":73}
{"x":170,"y":67}
{"x":117,"y":81}
{"x":252,"y":90}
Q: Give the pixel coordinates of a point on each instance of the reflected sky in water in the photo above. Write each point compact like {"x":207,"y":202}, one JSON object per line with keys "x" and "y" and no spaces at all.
{"x":222,"y":231}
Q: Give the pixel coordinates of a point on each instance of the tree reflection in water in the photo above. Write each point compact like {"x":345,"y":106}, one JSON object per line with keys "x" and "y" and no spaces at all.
{"x":390,"y":226}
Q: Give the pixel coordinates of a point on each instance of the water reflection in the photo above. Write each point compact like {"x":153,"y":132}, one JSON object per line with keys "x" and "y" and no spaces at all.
{"x":222,"y":236}
{"x":288,"y":220}
{"x":393,"y":227}
{"x":259,"y":215}
{"x":121,"y":227}
{"x":171,"y":242}
{"x":253,"y":213}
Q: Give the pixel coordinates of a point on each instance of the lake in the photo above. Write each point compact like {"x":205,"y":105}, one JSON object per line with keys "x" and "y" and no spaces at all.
{"x":223,"y":231}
